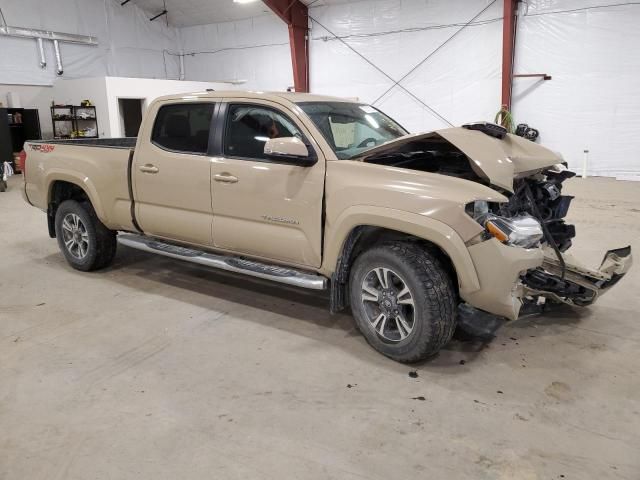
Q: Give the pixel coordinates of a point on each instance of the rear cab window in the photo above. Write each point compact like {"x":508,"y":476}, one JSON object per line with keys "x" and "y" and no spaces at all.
{"x":183,"y":127}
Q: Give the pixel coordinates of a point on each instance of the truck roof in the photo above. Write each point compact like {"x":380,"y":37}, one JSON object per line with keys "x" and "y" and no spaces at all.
{"x":294,"y":97}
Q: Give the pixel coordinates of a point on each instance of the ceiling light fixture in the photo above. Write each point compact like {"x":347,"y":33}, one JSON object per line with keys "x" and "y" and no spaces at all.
{"x":244,"y":1}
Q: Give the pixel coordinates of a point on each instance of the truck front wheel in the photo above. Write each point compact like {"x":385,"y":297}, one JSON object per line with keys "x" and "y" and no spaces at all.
{"x":83,"y":239}
{"x":403,"y":301}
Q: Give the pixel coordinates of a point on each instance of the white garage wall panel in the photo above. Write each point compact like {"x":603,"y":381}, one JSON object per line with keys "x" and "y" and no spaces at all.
{"x":129,"y":44}
{"x":461,"y":81}
{"x":255,"y":50}
{"x":593,"y":101}
{"x":147,"y":89}
{"x":104,"y":93}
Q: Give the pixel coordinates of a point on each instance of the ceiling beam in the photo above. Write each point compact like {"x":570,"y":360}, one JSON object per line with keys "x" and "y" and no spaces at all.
{"x":296,"y":15}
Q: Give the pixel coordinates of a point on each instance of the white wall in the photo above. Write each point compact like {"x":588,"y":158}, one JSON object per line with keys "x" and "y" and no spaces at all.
{"x":104,"y":93}
{"x":593,"y":99}
{"x":255,"y":50}
{"x":32,"y":97}
{"x":128,"y":43}
{"x":592,"y":102}
{"x":72,"y":92}
{"x":63,"y":92}
{"x":148,"y":90}
{"x":461,"y":81}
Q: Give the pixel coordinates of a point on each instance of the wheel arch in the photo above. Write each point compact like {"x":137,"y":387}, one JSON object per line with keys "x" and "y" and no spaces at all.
{"x":65,"y":187}
{"x":354,"y":232}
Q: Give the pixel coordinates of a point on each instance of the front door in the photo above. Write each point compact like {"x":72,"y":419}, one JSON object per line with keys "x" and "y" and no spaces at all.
{"x":262,"y":207}
{"x":171,"y":173}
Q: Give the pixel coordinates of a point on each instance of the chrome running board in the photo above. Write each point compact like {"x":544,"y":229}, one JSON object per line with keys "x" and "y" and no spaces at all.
{"x":276,"y":273}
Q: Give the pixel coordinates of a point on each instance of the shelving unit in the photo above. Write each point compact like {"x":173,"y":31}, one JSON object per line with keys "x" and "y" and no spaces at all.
{"x":14,"y":133}
{"x":78,"y":117}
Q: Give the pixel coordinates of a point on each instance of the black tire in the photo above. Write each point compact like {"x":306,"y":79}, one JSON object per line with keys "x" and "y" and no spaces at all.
{"x":3,"y":185}
{"x":100,"y":242}
{"x":433,"y":307}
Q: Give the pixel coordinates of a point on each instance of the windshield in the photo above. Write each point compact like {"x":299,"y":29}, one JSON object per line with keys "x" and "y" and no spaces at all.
{"x":351,"y":128}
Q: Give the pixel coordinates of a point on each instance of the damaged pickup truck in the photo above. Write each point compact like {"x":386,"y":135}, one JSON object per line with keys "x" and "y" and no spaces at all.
{"x":325,"y":193}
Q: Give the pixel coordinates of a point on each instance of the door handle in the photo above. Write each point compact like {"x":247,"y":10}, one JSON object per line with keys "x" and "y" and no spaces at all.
{"x":149,"y":168}
{"x":225,"y":178}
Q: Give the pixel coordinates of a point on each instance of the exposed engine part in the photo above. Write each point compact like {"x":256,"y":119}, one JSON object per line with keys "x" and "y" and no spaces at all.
{"x":552,"y":190}
{"x":541,"y":196}
{"x":525,"y":131}
{"x":433,"y":155}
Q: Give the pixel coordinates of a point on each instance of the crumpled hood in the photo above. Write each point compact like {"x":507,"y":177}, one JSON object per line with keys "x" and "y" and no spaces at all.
{"x":496,"y":160}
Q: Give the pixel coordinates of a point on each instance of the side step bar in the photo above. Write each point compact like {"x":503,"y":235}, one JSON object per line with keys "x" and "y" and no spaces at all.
{"x":276,"y":273}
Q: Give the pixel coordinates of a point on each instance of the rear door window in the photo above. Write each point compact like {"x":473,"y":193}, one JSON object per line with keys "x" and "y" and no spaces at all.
{"x":183,"y":127}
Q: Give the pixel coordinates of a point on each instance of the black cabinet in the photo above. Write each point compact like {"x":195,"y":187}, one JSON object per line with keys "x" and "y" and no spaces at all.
{"x":17,"y":125}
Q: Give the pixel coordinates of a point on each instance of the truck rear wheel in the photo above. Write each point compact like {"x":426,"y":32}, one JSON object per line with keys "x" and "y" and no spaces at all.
{"x":403,"y":301}
{"x":83,"y":239}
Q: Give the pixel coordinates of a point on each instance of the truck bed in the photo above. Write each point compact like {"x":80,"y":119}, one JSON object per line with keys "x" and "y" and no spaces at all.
{"x":102,"y":171}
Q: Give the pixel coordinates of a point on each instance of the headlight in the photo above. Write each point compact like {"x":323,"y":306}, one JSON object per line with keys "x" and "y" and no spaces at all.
{"x":521,"y":231}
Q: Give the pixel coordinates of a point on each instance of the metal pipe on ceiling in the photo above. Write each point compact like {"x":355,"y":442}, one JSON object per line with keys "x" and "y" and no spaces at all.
{"x":43,"y":58}
{"x":55,"y":37}
{"x":47,"y":35}
{"x":59,"y":68}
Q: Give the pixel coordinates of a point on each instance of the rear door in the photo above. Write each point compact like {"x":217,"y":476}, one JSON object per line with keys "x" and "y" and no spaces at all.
{"x":263,"y":207}
{"x":171,"y":172}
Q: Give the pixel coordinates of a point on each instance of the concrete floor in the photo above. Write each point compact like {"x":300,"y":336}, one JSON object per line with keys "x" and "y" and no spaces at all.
{"x":156,"y":369}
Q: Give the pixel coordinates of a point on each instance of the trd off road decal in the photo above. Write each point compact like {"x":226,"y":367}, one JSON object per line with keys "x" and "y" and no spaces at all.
{"x":42,"y":147}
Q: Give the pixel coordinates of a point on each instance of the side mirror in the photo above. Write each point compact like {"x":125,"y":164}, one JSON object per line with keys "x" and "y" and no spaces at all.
{"x":289,"y":150}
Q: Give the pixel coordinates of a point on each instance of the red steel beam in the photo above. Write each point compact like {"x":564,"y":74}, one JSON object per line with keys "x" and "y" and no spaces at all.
{"x":296,"y":15}
{"x":508,"y":46}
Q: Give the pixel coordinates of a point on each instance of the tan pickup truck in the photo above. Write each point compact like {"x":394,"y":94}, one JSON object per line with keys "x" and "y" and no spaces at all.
{"x":321,"y":192}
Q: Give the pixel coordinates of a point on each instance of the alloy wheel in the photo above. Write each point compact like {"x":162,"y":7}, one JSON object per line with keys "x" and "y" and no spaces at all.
{"x":75,"y":236}
{"x":388,"y":304}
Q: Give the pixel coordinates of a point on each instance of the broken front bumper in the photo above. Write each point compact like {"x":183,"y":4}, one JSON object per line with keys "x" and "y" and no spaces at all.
{"x":577,"y":284}
{"x":509,"y":275}
{"x":499,"y":268}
